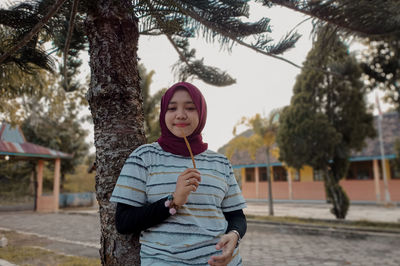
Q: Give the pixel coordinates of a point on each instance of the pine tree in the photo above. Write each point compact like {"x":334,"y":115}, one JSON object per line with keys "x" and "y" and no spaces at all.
{"x":327,"y":117}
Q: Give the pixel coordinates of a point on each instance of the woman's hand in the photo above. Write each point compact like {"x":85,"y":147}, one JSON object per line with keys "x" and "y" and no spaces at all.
{"x":227,"y":243}
{"x":187,"y":182}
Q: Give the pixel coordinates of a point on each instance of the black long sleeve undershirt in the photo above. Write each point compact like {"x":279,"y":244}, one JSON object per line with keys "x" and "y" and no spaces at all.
{"x":129,"y":219}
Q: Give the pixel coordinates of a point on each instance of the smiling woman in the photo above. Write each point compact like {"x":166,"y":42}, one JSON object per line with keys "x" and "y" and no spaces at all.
{"x":184,"y":215}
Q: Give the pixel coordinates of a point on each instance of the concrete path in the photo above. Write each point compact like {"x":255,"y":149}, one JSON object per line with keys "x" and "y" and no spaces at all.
{"x":78,"y":233}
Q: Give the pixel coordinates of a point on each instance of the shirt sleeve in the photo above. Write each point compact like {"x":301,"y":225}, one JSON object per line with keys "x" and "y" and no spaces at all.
{"x":129,"y":219}
{"x":233,"y":199}
{"x":236,"y":221}
{"x":131,"y":184}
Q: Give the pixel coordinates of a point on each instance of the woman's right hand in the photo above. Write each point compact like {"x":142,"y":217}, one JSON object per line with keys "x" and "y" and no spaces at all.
{"x":187,"y":182}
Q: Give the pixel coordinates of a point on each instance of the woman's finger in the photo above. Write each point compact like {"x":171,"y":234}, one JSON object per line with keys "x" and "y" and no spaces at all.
{"x":191,"y":174}
{"x":192,"y":181}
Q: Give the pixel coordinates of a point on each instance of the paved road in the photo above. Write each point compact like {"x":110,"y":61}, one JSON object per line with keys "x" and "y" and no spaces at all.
{"x":263,"y":244}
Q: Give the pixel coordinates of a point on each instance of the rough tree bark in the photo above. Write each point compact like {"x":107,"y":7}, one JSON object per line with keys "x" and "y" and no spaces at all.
{"x":115,"y":102}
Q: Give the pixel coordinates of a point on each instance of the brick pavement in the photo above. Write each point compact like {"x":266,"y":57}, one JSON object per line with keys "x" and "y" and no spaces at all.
{"x":78,"y":234}
{"x":277,"y":245}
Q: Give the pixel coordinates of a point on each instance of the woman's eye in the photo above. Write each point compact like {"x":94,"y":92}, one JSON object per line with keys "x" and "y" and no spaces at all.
{"x":171,"y":108}
{"x":191,"y":108}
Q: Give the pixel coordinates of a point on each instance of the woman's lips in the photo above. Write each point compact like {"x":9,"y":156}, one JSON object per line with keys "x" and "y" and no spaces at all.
{"x":181,"y":125}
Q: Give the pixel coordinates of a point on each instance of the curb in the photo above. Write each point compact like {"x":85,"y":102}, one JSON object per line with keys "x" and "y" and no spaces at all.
{"x":336,"y":231}
{"x":86,"y":213}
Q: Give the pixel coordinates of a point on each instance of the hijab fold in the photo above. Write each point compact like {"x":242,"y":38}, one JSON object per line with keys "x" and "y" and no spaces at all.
{"x":176,"y":145}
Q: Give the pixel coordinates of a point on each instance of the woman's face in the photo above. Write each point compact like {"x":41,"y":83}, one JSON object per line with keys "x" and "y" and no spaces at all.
{"x":181,"y":114}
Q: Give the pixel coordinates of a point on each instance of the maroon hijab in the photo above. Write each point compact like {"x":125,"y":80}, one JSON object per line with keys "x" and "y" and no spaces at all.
{"x":173,"y":144}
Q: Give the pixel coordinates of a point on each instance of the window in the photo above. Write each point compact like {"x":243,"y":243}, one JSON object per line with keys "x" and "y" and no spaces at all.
{"x":394,"y":169}
{"x":262,"y":171}
{"x":318,"y":175}
{"x":250,"y":174}
{"x":364,"y":173}
{"x":362,"y":170}
{"x":280,"y":173}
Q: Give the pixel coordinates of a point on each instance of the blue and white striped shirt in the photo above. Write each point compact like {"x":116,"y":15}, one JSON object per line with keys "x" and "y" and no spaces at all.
{"x":190,"y":236}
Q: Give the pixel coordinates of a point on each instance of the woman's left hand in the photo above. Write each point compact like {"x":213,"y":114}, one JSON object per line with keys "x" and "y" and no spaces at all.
{"x":227,"y":243}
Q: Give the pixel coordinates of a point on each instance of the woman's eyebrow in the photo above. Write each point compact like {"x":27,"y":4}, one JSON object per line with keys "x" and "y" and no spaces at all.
{"x":187,"y":102}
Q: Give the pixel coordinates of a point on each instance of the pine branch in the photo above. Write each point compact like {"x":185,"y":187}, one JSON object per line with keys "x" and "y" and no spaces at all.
{"x":181,"y":55}
{"x":329,"y":12}
{"x":34,"y":31}
{"x":159,"y":22}
{"x":234,"y":38}
{"x":237,"y":40}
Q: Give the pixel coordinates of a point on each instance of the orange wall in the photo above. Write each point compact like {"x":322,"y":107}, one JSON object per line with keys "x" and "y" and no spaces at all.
{"x":313,"y":190}
{"x":357,"y":190}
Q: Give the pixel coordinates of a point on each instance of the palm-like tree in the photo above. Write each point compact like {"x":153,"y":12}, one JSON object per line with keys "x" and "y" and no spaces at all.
{"x":264,"y":132}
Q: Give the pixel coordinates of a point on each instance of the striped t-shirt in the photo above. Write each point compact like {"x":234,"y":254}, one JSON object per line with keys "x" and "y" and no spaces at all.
{"x":188,"y":237}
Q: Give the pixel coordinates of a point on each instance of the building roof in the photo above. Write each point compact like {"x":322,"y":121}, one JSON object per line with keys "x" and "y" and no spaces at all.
{"x":371,"y":151}
{"x":13,"y":143}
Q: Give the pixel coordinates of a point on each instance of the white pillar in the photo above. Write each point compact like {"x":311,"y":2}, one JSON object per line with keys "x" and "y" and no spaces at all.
{"x":257,"y":177}
{"x":290,"y":183}
{"x":377,"y":180}
{"x":56,"y":183}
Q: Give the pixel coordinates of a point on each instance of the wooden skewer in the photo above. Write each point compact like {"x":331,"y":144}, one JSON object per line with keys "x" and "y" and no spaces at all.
{"x":188,"y":146}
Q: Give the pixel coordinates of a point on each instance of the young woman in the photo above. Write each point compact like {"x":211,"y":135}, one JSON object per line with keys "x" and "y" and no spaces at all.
{"x":185,"y":215}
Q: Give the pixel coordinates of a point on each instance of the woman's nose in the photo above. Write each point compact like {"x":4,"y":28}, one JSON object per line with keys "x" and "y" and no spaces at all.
{"x":181,"y":114}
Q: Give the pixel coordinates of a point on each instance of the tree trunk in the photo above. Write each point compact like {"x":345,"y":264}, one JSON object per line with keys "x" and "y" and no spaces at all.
{"x":115,"y":102}
{"x":336,"y":195}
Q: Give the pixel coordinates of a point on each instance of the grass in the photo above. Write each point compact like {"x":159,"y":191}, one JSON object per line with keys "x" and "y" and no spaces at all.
{"x":81,"y":181}
{"x":361,"y":224}
{"x":20,"y":251}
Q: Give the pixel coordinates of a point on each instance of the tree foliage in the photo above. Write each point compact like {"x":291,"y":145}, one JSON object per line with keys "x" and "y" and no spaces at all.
{"x":363,"y":18}
{"x":327,"y":117}
{"x":381,"y":64}
{"x":151,"y":105}
{"x":59,"y":130}
{"x":264,"y":130}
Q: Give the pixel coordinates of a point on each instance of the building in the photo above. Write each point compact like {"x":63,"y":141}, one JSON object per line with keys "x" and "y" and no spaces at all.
{"x":13,"y":146}
{"x":363,"y":183}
